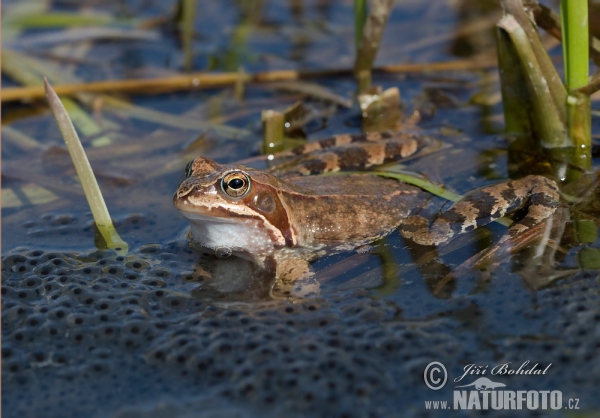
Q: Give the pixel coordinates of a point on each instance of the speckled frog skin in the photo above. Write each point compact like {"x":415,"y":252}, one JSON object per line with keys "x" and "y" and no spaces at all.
{"x":289,"y":215}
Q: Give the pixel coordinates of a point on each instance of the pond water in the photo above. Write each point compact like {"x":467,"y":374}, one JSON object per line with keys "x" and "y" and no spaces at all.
{"x":86,"y":332}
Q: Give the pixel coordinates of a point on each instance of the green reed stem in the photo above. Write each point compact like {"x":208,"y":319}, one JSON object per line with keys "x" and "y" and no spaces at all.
{"x":188,"y":15}
{"x":549,"y":110}
{"x":273,"y":131}
{"x":85,"y":174}
{"x":368,"y":45}
{"x":360,"y":17}
{"x":574,"y":17}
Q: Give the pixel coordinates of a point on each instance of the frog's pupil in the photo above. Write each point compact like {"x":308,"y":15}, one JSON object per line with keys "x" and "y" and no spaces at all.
{"x":236,"y":183}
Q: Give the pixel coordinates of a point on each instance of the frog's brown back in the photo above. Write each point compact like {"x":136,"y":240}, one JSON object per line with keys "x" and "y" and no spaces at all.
{"x":355,"y":207}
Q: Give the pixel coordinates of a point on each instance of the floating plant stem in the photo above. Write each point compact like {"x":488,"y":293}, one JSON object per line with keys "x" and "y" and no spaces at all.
{"x":85,"y":173}
{"x":212,"y":80}
{"x":139,"y":86}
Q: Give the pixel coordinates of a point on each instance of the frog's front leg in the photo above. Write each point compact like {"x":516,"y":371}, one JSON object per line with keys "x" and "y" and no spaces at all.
{"x":539,"y":194}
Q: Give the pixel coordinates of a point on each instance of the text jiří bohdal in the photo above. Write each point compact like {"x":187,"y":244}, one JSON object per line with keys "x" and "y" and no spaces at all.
{"x":504,"y":369}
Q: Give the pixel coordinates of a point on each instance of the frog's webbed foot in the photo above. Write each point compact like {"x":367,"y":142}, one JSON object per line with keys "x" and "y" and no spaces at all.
{"x":481,"y":207}
{"x":295,"y":278}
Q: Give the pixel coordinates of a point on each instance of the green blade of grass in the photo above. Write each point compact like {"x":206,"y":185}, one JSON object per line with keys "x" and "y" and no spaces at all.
{"x":85,"y":173}
{"x":397,"y":173}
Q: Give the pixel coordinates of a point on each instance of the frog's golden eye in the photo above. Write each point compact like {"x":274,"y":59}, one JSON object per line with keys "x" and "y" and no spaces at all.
{"x":235,"y":184}
{"x":188,"y":169}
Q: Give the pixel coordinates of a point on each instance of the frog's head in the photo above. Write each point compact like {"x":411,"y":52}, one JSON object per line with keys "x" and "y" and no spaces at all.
{"x":234,"y":208}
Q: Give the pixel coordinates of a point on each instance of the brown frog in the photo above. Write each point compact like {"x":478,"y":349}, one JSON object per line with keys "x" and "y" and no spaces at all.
{"x":287,"y":216}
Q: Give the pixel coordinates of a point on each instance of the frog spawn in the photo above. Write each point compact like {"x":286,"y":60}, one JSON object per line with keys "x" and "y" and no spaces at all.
{"x":92,"y":333}
{"x":88,"y":332}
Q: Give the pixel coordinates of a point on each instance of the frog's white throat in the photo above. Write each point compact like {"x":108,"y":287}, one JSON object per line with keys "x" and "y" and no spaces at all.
{"x":243,"y":236}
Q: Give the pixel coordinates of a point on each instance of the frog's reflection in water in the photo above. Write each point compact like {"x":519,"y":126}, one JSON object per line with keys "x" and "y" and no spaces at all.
{"x":241,"y":280}
{"x":230,"y":279}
